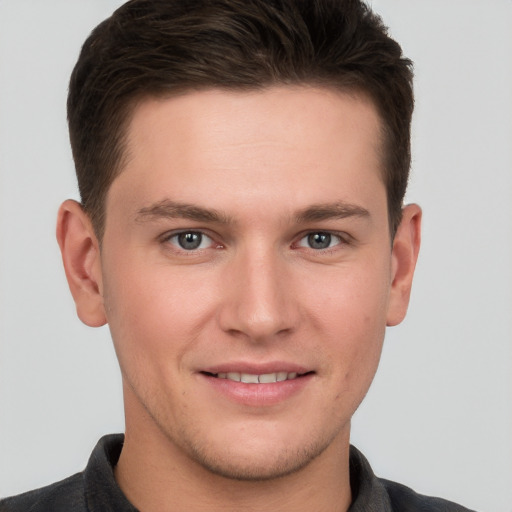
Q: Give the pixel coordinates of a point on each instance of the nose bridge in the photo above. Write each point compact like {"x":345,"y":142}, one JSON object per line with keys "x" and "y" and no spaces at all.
{"x":261,"y":303}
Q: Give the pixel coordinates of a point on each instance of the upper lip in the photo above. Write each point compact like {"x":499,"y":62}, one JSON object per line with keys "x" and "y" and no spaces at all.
{"x":256,"y":369}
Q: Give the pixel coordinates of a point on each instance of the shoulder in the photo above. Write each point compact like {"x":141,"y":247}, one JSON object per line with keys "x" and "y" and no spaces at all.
{"x":404,"y":499}
{"x":66,"y":495}
{"x":378,"y":494}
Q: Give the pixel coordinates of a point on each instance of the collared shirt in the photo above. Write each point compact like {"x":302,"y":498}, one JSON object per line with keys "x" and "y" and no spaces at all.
{"x":95,"y":489}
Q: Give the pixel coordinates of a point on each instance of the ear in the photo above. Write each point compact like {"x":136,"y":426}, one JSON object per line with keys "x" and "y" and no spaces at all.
{"x":81,"y":257}
{"x":406,"y":246}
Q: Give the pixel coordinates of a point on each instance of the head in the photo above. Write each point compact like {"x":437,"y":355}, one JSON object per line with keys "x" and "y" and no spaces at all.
{"x":161,"y":48}
{"x":242,"y":166}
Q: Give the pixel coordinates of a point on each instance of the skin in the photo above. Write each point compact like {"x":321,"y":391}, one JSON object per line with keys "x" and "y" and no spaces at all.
{"x":259,"y":172}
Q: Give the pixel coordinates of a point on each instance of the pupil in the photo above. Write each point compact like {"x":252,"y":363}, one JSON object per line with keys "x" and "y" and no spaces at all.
{"x":319,"y":240}
{"x":190,"y":240}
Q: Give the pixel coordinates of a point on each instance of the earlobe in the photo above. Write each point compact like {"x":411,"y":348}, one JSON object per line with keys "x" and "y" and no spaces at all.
{"x":81,"y":257}
{"x":406,"y":246}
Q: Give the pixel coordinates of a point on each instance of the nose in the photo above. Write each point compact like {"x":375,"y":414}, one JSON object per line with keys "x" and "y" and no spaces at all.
{"x":259,"y":302}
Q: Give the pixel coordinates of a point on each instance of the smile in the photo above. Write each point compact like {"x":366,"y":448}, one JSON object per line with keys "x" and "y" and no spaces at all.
{"x":257,"y":387}
{"x":265,"y":378}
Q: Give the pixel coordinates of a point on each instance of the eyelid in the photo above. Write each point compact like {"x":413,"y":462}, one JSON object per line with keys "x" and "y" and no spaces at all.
{"x":167,"y":238}
{"x":343,"y":237}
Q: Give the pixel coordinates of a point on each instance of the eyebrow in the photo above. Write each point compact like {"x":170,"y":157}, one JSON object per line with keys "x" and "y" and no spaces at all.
{"x":168,"y":209}
{"x":326,"y":211}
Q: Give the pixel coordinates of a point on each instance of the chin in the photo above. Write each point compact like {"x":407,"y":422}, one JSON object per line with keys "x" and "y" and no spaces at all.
{"x":253,"y":463}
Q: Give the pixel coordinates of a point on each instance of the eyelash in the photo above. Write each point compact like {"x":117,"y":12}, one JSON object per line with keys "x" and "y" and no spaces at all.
{"x":343,"y":239}
{"x":169,"y":239}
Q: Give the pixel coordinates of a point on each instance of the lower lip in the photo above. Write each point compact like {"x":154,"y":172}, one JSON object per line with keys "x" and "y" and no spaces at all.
{"x":258,"y":395}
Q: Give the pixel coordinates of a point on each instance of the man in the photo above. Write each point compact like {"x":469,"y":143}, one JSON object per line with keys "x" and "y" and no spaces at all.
{"x":242,"y":167}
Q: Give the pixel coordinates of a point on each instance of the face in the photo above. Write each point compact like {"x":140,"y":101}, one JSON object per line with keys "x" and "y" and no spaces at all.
{"x":247,"y":274}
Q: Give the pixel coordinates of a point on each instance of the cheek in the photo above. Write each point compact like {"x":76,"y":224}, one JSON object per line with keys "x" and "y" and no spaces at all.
{"x":352,"y":300}
{"x":154,"y":294}
{"x":353,"y":318}
{"x":155,"y":316}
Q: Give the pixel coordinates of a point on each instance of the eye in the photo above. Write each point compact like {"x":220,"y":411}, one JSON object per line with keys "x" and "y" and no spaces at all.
{"x":190,"y":240}
{"x":320,"y":240}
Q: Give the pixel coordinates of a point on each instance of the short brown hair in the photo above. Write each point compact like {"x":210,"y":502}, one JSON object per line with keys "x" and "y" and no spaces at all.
{"x":162,"y":47}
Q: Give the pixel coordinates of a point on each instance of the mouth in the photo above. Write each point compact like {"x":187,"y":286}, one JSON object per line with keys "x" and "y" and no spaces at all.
{"x":263,"y":378}
{"x":257,"y":386}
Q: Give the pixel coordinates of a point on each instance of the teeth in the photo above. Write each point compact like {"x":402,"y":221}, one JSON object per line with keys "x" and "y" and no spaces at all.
{"x":248,"y":378}
{"x":265,"y":378}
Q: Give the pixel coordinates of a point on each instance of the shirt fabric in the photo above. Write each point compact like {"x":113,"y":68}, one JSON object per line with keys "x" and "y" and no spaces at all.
{"x":95,"y":489}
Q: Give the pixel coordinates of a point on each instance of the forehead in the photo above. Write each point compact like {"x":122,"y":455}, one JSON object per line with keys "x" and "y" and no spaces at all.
{"x":218,"y":143}
{"x":272,"y":109}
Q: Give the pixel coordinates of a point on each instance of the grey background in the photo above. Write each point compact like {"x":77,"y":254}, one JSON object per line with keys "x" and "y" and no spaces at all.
{"x":439,"y":416}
